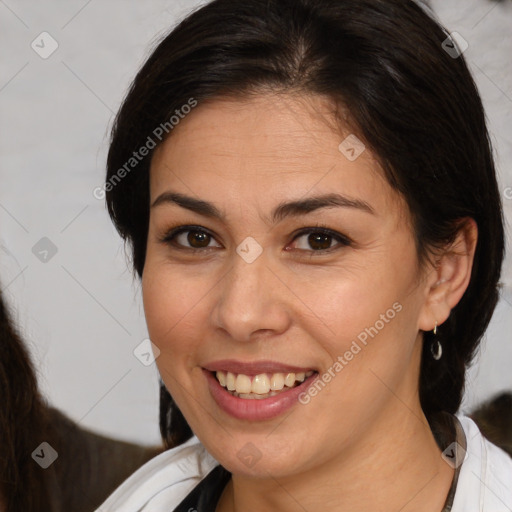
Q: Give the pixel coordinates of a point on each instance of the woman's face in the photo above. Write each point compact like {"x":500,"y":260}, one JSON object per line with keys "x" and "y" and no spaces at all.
{"x":295,"y":254}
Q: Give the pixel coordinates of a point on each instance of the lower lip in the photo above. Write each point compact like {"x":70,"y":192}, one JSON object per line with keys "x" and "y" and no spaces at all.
{"x":256,"y":408}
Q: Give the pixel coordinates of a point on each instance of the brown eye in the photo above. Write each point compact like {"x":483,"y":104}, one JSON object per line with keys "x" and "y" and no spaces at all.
{"x":317,"y":240}
{"x":190,"y":237}
{"x":198,"y":239}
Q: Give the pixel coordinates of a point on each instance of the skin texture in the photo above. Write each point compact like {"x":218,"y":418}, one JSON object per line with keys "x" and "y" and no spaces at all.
{"x":363,"y":442}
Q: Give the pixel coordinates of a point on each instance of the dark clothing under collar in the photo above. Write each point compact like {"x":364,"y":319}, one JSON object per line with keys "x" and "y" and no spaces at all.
{"x":205,"y":495}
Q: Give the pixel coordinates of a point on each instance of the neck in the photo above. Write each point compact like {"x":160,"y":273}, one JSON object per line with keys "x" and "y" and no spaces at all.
{"x":396,"y":465}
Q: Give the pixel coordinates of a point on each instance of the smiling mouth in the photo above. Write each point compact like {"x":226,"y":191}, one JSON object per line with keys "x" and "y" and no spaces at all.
{"x":263,"y":385}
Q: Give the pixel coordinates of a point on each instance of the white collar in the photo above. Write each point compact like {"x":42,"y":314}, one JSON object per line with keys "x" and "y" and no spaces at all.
{"x":484,"y":484}
{"x":485,"y":479}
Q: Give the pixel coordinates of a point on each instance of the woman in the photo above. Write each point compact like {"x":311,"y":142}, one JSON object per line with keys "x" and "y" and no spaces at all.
{"x":310,"y":196}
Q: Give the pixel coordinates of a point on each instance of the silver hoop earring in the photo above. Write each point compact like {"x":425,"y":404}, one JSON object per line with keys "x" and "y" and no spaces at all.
{"x":436,"y":348}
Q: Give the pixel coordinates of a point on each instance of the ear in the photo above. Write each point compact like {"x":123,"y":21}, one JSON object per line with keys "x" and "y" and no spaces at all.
{"x":448,"y":280}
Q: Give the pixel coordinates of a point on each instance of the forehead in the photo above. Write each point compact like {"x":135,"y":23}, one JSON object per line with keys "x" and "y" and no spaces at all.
{"x":267,"y":148}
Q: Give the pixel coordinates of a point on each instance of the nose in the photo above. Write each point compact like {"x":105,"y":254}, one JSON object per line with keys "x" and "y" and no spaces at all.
{"x":251,"y":301}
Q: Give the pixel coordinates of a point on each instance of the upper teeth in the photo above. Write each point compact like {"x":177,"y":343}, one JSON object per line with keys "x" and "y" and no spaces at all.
{"x":261,"y":383}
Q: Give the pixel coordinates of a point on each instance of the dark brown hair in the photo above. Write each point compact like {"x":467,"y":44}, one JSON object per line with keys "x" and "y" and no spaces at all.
{"x":89,"y":466}
{"x":413,"y":104}
{"x":22,"y":424}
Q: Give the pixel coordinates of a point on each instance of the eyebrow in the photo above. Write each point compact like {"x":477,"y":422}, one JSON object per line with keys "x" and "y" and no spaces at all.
{"x":283,"y":210}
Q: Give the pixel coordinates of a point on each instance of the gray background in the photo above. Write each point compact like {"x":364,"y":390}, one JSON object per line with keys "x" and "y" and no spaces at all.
{"x":80,"y":311}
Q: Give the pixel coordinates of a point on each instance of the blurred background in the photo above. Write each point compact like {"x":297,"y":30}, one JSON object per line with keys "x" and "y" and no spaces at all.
{"x":64,"y":70}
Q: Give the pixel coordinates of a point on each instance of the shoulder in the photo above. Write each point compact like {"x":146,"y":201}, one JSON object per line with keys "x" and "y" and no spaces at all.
{"x":485,"y":480}
{"x":163,"y":481}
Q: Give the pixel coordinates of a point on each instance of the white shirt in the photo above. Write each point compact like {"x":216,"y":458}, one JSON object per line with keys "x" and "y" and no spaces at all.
{"x":484,"y":485}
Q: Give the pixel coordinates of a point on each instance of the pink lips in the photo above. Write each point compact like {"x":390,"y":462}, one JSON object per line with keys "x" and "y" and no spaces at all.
{"x":254,"y":409}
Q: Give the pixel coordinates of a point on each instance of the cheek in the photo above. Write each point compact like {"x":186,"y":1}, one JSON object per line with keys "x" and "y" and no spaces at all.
{"x":343,"y":302}
{"x":368,"y":318}
{"x":173,"y":308}
{"x":363,"y":329}
{"x":176,"y":322}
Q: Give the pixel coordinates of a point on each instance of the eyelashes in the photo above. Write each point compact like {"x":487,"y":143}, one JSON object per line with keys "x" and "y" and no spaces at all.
{"x":171,"y":237}
{"x":315,"y":240}
{"x":318,"y":236}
